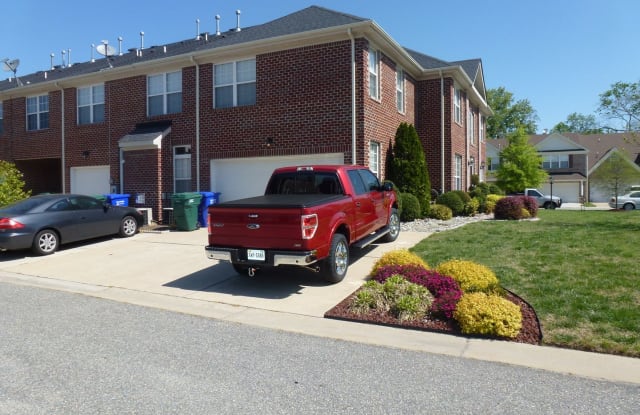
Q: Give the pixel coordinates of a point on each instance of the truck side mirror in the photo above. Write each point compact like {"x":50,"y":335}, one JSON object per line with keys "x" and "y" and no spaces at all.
{"x":387,"y":186}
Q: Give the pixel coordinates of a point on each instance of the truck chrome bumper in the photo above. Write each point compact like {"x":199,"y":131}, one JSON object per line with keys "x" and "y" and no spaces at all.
{"x":273,"y":258}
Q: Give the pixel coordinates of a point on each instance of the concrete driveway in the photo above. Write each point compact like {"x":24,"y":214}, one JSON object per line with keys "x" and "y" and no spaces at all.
{"x":174,"y":264}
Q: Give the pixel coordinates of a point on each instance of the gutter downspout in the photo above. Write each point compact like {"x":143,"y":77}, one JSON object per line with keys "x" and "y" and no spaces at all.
{"x":197,"y":123}
{"x":441,"y":132}
{"x":353,"y":97}
{"x":62,"y":139}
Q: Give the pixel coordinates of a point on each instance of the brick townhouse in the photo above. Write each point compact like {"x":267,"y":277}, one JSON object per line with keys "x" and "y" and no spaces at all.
{"x":219,"y":111}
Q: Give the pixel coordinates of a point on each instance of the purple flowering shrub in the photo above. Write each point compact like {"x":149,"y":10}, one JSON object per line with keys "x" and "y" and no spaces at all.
{"x":445,"y":289}
{"x":509,"y":208}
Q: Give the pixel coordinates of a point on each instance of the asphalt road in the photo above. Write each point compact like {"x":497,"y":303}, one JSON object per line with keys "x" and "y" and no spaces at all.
{"x":64,"y":353}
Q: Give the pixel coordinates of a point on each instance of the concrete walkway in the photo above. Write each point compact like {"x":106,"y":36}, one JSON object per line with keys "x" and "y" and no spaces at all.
{"x":169,"y":270}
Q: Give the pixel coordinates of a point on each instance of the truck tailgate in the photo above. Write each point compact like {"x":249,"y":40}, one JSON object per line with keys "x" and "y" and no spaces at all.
{"x":264,"y":222}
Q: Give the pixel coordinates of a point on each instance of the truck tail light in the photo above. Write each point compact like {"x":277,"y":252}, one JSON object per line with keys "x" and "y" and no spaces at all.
{"x":8,"y":223}
{"x":309,"y":225}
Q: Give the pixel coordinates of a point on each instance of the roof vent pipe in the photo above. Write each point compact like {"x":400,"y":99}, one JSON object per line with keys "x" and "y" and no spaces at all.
{"x":62,"y":53}
{"x":68,"y":58}
{"x":52,"y":56}
{"x":237,"y":20}
{"x":197,"y":29}
{"x":93,"y":46}
{"x":217,"y":25}
{"x":120,"y":45}
{"x":141,"y":42}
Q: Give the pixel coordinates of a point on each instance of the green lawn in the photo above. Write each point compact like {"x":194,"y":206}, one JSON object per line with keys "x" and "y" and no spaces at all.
{"x":580,"y":270}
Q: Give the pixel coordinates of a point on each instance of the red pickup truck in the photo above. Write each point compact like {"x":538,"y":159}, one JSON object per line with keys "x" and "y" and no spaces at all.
{"x":309,"y":216}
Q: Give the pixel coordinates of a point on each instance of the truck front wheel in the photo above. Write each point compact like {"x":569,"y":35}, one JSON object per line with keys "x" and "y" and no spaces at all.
{"x":337,"y":262}
{"x":549,"y":205}
{"x":394,"y":227}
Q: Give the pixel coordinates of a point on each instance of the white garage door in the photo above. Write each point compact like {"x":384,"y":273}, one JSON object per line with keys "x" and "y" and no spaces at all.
{"x":92,"y":180}
{"x":245,"y":177}
{"x":567,"y":191}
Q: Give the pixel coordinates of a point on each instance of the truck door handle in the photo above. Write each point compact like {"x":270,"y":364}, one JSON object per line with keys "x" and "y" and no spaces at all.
{"x":357,"y":204}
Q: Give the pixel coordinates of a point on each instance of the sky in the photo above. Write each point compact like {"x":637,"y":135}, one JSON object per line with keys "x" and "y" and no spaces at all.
{"x":560,"y":55}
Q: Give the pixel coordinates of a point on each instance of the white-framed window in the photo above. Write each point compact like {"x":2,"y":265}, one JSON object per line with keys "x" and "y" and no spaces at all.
{"x":374,"y":74}
{"x":374,"y":157}
{"x":457,"y":175}
{"x":400,"y":90}
{"x":182,"y":169}
{"x":164,"y":93}
{"x":471,"y":137}
{"x":481,"y":128}
{"x":234,"y":84}
{"x":560,"y":161}
{"x":37,"y":112}
{"x":91,"y":104}
{"x":457,"y":105}
{"x":1,"y":119}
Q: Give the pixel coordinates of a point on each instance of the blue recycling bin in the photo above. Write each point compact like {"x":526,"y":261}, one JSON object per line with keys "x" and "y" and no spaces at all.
{"x":117,"y":199}
{"x":208,"y":199}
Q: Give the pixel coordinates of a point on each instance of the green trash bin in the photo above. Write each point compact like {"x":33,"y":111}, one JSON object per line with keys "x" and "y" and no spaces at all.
{"x":185,"y":210}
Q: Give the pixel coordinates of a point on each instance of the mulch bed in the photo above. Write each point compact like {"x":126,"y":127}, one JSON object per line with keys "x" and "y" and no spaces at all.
{"x":530,"y":333}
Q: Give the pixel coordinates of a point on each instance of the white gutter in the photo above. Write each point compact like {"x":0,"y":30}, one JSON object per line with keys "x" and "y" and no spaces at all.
{"x":353,"y":97}
{"x":62,"y":139}
{"x":197,"y":123}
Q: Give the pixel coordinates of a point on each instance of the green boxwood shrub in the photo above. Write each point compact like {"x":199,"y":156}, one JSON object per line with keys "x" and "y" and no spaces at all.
{"x":440,"y":212}
{"x":471,"y":207}
{"x":488,"y":314}
{"x":411,"y":209}
{"x":453,"y":201}
{"x":470,"y":275}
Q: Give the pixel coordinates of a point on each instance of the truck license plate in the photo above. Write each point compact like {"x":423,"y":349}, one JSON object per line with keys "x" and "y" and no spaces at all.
{"x":255,"y":255}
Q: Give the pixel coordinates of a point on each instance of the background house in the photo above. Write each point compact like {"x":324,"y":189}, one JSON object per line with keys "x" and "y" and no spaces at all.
{"x":220,"y":111}
{"x":570,"y":159}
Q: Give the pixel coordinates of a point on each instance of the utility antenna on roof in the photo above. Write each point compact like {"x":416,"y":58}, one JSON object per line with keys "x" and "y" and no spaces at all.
{"x":11,"y":66}
{"x":106,"y":50}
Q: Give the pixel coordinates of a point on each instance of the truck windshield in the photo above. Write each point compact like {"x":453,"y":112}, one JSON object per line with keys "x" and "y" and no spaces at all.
{"x":304,"y":182}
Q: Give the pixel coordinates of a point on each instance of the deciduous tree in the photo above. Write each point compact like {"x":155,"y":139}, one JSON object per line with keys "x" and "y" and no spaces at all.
{"x":621,"y":103}
{"x":11,"y":184}
{"x":508,"y":115}
{"x":520,"y":164}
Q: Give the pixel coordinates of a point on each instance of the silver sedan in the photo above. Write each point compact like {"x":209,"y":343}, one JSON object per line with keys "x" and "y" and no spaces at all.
{"x":629,"y":201}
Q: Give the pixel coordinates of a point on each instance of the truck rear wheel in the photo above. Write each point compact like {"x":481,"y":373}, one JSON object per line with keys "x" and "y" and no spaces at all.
{"x":337,"y":263}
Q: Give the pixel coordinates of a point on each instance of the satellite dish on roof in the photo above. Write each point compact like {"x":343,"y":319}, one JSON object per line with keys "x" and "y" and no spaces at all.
{"x":10,"y":65}
{"x":106,"y":49}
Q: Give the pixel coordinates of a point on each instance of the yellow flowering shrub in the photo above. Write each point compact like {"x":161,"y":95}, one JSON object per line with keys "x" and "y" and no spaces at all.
{"x":469,"y":275}
{"x":398,"y":257}
{"x":491,"y":202}
{"x":490,"y":314}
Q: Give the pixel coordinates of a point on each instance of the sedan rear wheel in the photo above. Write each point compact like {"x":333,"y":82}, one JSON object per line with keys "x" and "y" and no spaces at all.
{"x":628,"y":206}
{"x":128,"y":226}
{"x":46,"y":242}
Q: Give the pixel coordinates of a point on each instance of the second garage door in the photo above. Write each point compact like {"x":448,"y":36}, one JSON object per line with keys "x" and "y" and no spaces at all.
{"x":245,"y":177}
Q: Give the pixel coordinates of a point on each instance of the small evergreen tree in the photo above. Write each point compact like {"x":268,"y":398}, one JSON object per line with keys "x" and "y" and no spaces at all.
{"x":11,"y":184}
{"x":407,"y":166}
